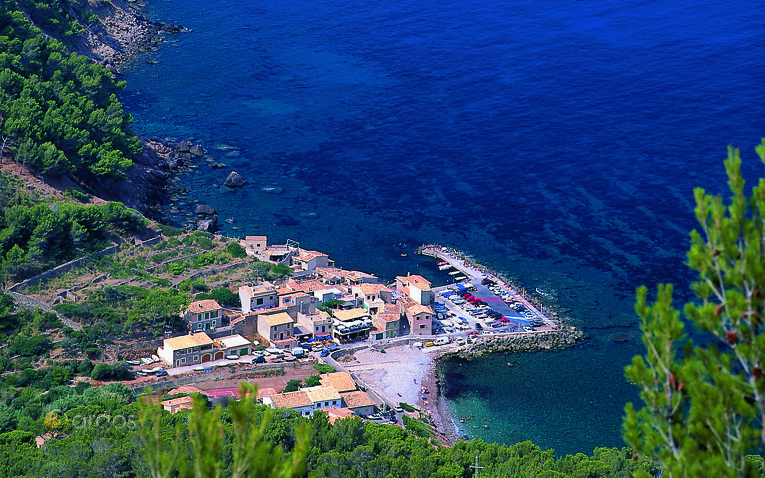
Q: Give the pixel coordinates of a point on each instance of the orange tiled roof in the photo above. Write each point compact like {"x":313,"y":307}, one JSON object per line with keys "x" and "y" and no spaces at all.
{"x":206,"y":305}
{"x":291,"y":399}
{"x":340,"y":381}
{"x":357,"y":399}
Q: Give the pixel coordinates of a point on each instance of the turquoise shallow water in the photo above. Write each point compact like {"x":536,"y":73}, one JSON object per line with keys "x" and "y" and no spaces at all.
{"x":557,"y":143}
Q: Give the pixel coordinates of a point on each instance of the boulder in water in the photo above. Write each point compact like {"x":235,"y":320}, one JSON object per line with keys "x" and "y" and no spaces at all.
{"x":235,"y":180}
{"x":205,"y":209}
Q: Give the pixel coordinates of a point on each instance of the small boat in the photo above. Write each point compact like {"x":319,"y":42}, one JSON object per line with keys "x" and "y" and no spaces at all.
{"x":403,"y":254}
{"x":444,"y":267}
{"x":454,"y":273}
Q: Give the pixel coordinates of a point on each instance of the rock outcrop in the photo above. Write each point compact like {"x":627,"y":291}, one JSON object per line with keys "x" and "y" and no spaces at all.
{"x":204,"y":209}
{"x":235,"y":180}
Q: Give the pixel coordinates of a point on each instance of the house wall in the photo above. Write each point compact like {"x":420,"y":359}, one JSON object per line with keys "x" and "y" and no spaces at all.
{"x":421,"y":324}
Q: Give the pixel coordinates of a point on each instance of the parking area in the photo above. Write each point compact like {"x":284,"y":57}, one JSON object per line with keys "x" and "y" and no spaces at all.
{"x":484,"y":306}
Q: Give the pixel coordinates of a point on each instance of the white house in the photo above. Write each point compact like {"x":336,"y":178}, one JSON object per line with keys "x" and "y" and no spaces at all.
{"x":262,"y":296}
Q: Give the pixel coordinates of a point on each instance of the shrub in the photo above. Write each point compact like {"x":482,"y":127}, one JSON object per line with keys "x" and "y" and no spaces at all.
{"x":236,"y":250}
{"x":293,"y":385}
{"x":313,"y":381}
{"x":323,"y":368}
{"x":170,"y":231}
{"x":101,"y":371}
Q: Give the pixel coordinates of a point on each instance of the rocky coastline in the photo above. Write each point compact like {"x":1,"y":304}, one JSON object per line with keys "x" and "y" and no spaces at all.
{"x":122,"y":33}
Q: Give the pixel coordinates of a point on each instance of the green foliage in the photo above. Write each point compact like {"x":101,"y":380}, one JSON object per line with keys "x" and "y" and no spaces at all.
{"x":34,"y":238}
{"x":705,"y":403}
{"x":204,"y":260}
{"x":236,"y":250}
{"x":29,"y":346}
{"x":313,"y":381}
{"x":224,"y":297}
{"x":60,"y":109}
{"x":293,"y":385}
{"x":323,"y":368}
{"x":210,"y":436}
{"x":170,"y":231}
{"x":406,"y":407}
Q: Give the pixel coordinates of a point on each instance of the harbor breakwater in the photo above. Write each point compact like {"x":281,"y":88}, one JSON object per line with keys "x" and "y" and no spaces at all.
{"x":518,"y":342}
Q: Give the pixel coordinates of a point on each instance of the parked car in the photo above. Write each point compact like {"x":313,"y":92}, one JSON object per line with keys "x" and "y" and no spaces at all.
{"x":260,"y":359}
{"x":161,"y":373}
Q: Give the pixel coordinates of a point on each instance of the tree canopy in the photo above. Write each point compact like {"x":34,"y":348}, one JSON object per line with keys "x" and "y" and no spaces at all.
{"x":59,"y":110}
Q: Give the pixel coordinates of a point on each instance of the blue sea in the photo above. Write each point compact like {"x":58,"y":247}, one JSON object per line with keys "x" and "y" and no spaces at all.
{"x":558,"y":142}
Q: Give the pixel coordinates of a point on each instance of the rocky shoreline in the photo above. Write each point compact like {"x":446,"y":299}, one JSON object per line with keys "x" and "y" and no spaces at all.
{"x":122,"y":32}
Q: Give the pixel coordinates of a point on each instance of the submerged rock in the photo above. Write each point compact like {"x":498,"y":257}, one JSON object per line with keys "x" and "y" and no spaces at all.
{"x":205,"y":209}
{"x":235,"y":180}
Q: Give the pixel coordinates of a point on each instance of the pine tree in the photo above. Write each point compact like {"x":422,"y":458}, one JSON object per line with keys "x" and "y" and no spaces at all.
{"x":705,"y":404}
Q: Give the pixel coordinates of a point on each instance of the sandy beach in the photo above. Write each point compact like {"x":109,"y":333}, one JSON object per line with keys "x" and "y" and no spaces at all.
{"x":398,"y":375}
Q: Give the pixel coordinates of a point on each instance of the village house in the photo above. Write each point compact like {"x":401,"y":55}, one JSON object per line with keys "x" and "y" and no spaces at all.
{"x":295,"y":400}
{"x":204,"y":315}
{"x":255,"y":245}
{"x":325,"y":295}
{"x":335,"y":414}
{"x":276,"y":328}
{"x":259,"y":297}
{"x":175,"y":405}
{"x":416,"y":287}
{"x":234,"y":345}
{"x":323,"y":397}
{"x":351,"y":324}
{"x":333,"y":275}
{"x":306,"y":260}
{"x":420,"y":319}
{"x":386,"y":326}
{"x":318,"y":323}
{"x":191,"y":349}
{"x":340,"y":381}
{"x":276,"y":254}
{"x":358,"y":402}
{"x":374,"y":296}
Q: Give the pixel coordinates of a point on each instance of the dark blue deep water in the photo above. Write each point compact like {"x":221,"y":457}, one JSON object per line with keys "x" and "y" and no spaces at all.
{"x":558,"y":142}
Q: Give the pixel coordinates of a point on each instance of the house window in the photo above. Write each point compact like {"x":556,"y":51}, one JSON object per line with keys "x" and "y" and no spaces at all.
{"x":214,"y":323}
{"x":207,"y":315}
{"x":274,"y":335}
{"x":334,"y":402}
{"x":183,"y":360}
{"x":196,"y":349}
{"x":422,"y":326}
{"x":322,"y":328}
{"x":259,"y":301}
{"x":214,"y":314}
{"x":196,"y":358}
{"x":199,"y":317}
{"x":326,"y":404}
